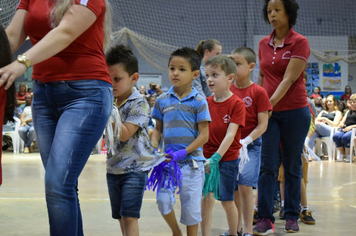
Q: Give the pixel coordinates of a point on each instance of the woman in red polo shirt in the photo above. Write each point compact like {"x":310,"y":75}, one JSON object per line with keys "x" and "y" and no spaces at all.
{"x":73,"y":96}
{"x":283,"y":56}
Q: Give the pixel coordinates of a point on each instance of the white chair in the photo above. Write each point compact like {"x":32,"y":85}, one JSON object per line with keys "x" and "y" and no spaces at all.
{"x":352,"y":145}
{"x":12,"y":130}
{"x":328,"y":141}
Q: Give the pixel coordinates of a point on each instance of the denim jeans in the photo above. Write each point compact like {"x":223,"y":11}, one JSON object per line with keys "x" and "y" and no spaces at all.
{"x":69,"y":117}
{"x":342,"y":138}
{"x":27,"y":134}
{"x":322,"y":130}
{"x":290,"y":129}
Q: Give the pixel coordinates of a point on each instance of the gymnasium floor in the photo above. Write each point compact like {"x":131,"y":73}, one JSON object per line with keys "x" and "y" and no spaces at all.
{"x":331,"y":194}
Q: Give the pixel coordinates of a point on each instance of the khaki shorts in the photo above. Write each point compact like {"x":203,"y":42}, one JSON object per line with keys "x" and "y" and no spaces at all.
{"x":304,"y":168}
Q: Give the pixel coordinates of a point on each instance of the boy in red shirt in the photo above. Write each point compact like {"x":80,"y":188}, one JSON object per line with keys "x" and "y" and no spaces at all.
{"x":257,"y":108}
{"x":227,"y":113}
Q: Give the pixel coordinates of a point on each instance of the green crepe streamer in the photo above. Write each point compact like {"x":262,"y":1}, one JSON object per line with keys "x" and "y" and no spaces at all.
{"x":212,"y":180}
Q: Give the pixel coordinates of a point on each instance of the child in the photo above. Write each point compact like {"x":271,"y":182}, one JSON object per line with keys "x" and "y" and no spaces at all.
{"x":257,"y":108}
{"x":228,"y":116}
{"x":182,"y":116}
{"x":7,"y":97}
{"x":132,"y":154}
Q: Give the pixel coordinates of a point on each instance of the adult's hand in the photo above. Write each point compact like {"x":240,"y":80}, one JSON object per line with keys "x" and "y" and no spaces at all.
{"x":9,"y":73}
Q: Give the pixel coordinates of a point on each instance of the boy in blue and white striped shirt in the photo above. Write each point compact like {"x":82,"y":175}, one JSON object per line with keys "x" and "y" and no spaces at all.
{"x":182,"y":116}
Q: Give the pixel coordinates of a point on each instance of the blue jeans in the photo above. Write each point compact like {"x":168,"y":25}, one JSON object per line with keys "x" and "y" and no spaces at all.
{"x":289,"y":128}
{"x":322,"y":130}
{"x":340,"y":137}
{"x":27,"y":134}
{"x":69,"y":117}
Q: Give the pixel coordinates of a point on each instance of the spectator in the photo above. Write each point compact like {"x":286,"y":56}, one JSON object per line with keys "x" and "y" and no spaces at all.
{"x":206,"y":49}
{"x":318,"y":105}
{"x":342,"y":107}
{"x":326,"y":120}
{"x":152,"y":88}
{"x":316,"y":93}
{"x":347,"y":94}
{"x":342,"y":137}
{"x":20,"y":95}
{"x":26,"y":130}
{"x":158,"y":90}
{"x":143,"y":91}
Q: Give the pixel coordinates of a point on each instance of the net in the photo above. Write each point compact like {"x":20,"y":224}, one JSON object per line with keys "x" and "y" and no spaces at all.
{"x":7,"y":10}
{"x":156,"y":28}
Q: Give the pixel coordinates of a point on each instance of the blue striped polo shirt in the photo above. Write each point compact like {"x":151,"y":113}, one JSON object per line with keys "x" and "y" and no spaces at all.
{"x":180,"y":120}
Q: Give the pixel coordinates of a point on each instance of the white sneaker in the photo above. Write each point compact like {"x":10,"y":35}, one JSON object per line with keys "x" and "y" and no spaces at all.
{"x":341,"y":158}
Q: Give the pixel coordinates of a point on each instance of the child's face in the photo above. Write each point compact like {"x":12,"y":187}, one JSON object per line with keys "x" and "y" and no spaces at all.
{"x":244,"y":69}
{"x":180,"y":72}
{"x":217,"y":80}
{"x":152,"y":101}
{"x":121,"y":81}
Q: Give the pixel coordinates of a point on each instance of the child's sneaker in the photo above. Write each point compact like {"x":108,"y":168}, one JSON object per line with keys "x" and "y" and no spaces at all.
{"x":255,"y":217}
{"x":281,"y":213}
{"x":228,"y":233}
{"x":306,"y":217}
{"x":291,"y":226}
{"x":264,"y":226}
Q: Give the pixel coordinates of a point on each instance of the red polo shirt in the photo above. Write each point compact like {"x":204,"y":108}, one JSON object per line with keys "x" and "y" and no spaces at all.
{"x":274,"y":62}
{"x":84,"y":58}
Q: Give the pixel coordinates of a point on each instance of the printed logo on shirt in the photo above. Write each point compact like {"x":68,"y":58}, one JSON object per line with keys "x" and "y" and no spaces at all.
{"x":286,"y":55}
{"x":247,"y":101}
{"x":169,"y":108}
{"x":226,"y":119}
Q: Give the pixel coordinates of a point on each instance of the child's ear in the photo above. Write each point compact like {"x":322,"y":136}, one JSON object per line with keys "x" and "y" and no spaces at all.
{"x":134,"y":78}
{"x":231,"y":78}
{"x":196,"y":74}
{"x":252,"y":66}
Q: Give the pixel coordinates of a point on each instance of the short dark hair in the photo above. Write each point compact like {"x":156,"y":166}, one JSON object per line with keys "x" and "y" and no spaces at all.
{"x":291,"y":7}
{"x":224,"y":62}
{"x":189,"y":54}
{"x":121,"y":54}
{"x":247,"y":53}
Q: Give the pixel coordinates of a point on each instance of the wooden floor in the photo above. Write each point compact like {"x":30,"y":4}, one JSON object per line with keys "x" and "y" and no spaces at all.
{"x":331,"y":194}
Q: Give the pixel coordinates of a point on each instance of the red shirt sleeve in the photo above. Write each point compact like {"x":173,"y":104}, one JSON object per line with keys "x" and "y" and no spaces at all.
{"x":23,"y":5}
{"x":301,"y":49}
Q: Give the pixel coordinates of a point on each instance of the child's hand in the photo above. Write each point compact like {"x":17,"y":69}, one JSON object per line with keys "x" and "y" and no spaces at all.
{"x":207,"y":167}
{"x":246,"y":141}
{"x":177,"y":155}
{"x":167,"y":159}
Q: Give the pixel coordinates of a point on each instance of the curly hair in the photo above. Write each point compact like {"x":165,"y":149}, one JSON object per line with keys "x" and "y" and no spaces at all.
{"x":291,"y":7}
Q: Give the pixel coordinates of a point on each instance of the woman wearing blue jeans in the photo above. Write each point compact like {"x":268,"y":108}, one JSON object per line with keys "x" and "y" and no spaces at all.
{"x":72,"y":94}
{"x":283,"y":56}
